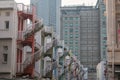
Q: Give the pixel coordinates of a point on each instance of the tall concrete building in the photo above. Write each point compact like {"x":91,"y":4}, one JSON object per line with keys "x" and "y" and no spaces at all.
{"x":70,"y":28}
{"x":113,"y":38}
{"x":103,"y":33}
{"x":81,"y":31}
{"x":49,"y":11}
{"x":8,"y":35}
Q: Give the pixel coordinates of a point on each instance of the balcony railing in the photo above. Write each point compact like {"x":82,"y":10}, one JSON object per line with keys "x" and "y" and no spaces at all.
{"x":33,"y":28}
{"x":20,"y":35}
{"x":24,"y":8}
{"x":48,"y":29}
{"x":48,"y":46}
{"x":31,"y":59}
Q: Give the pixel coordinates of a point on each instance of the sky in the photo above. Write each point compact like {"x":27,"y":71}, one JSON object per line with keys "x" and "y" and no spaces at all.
{"x":66,"y":2}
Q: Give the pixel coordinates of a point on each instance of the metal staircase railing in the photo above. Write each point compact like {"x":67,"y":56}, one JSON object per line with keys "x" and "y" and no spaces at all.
{"x":48,"y":29}
{"x":38,"y":74}
{"x":48,"y":46}
{"x":20,"y":35}
{"x":24,"y":8}
{"x":37,"y":45}
{"x":32,"y":29}
{"x":31,"y":59}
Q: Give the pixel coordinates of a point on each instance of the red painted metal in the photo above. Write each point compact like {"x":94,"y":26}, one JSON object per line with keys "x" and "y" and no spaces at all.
{"x":29,"y":41}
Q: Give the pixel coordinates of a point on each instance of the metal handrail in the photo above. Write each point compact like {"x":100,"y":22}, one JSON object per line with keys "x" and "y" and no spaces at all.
{"x":29,"y":60}
{"x":20,"y":35}
{"x":30,"y":30}
{"x":24,"y":8}
{"x":33,"y":27}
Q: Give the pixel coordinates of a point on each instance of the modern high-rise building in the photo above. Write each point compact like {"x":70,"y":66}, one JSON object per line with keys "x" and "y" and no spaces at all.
{"x":49,"y":11}
{"x":70,"y":28}
{"x":103,"y":33}
{"x":81,"y":31}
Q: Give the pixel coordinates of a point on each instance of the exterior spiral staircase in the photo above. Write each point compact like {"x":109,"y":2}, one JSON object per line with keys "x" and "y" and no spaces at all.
{"x":26,"y":38}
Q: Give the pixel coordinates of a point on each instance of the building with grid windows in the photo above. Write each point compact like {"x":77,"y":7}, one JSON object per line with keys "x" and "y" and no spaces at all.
{"x":70,"y":28}
{"x":103,"y":35}
{"x":81,"y":31}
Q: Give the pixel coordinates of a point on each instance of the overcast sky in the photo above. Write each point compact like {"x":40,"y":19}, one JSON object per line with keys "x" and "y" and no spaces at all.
{"x":66,"y":2}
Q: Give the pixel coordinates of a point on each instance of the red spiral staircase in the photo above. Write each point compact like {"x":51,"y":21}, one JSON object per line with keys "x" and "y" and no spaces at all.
{"x":26,"y":38}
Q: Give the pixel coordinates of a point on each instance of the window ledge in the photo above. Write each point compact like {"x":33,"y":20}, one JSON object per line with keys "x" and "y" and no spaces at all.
{"x":4,"y":29}
{"x":4,"y":62}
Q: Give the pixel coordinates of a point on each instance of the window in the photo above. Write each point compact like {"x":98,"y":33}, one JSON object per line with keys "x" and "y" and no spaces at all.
{"x":5,"y":58}
{"x":65,"y":24}
{"x":5,"y":48}
{"x":71,"y":36}
{"x":71,"y":24}
{"x":76,"y":36}
{"x":65,"y":42}
{"x":71,"y":18}
{"x":76,"y":42}
{"x":76,"y":24}
{"x":104,"y":23}
{"x":65,"y":31}
{"x":71,"y":30}
{"x":70,"y":42}
{"x":6,"y":24}
{"x":76,"y":18}
{"x":7,"y":14}
{"x":65,"y":18}
{"x":5,"y":55}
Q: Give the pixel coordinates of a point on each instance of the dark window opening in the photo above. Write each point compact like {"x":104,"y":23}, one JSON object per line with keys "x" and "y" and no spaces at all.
{"x":5,"y":58}
{"x":6,"y":24}
{"x":7,"y":13}
{"x":5,"y":48}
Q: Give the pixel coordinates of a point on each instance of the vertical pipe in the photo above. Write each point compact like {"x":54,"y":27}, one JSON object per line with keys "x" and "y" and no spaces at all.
{"x":17,"y":59}
{"x":33,"y":21}
{"x":20,"y":60}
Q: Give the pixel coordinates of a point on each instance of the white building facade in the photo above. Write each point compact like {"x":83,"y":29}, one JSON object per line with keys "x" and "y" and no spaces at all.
{"x":8,"y":34}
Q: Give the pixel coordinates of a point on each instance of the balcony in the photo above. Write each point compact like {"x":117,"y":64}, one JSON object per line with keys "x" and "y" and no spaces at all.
{"x":47,"y":31}
{"x":31,"y":59}
{"x":24,"y":8}
{"x":47,"y":71}
{"x":38,"y":54}
{"x":48,"y":49}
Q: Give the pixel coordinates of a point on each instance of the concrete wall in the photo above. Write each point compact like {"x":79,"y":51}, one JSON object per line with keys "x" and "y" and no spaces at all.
{"x":8,"y":37}
{"x":9,"y":66}
{"x":11,"y":32}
